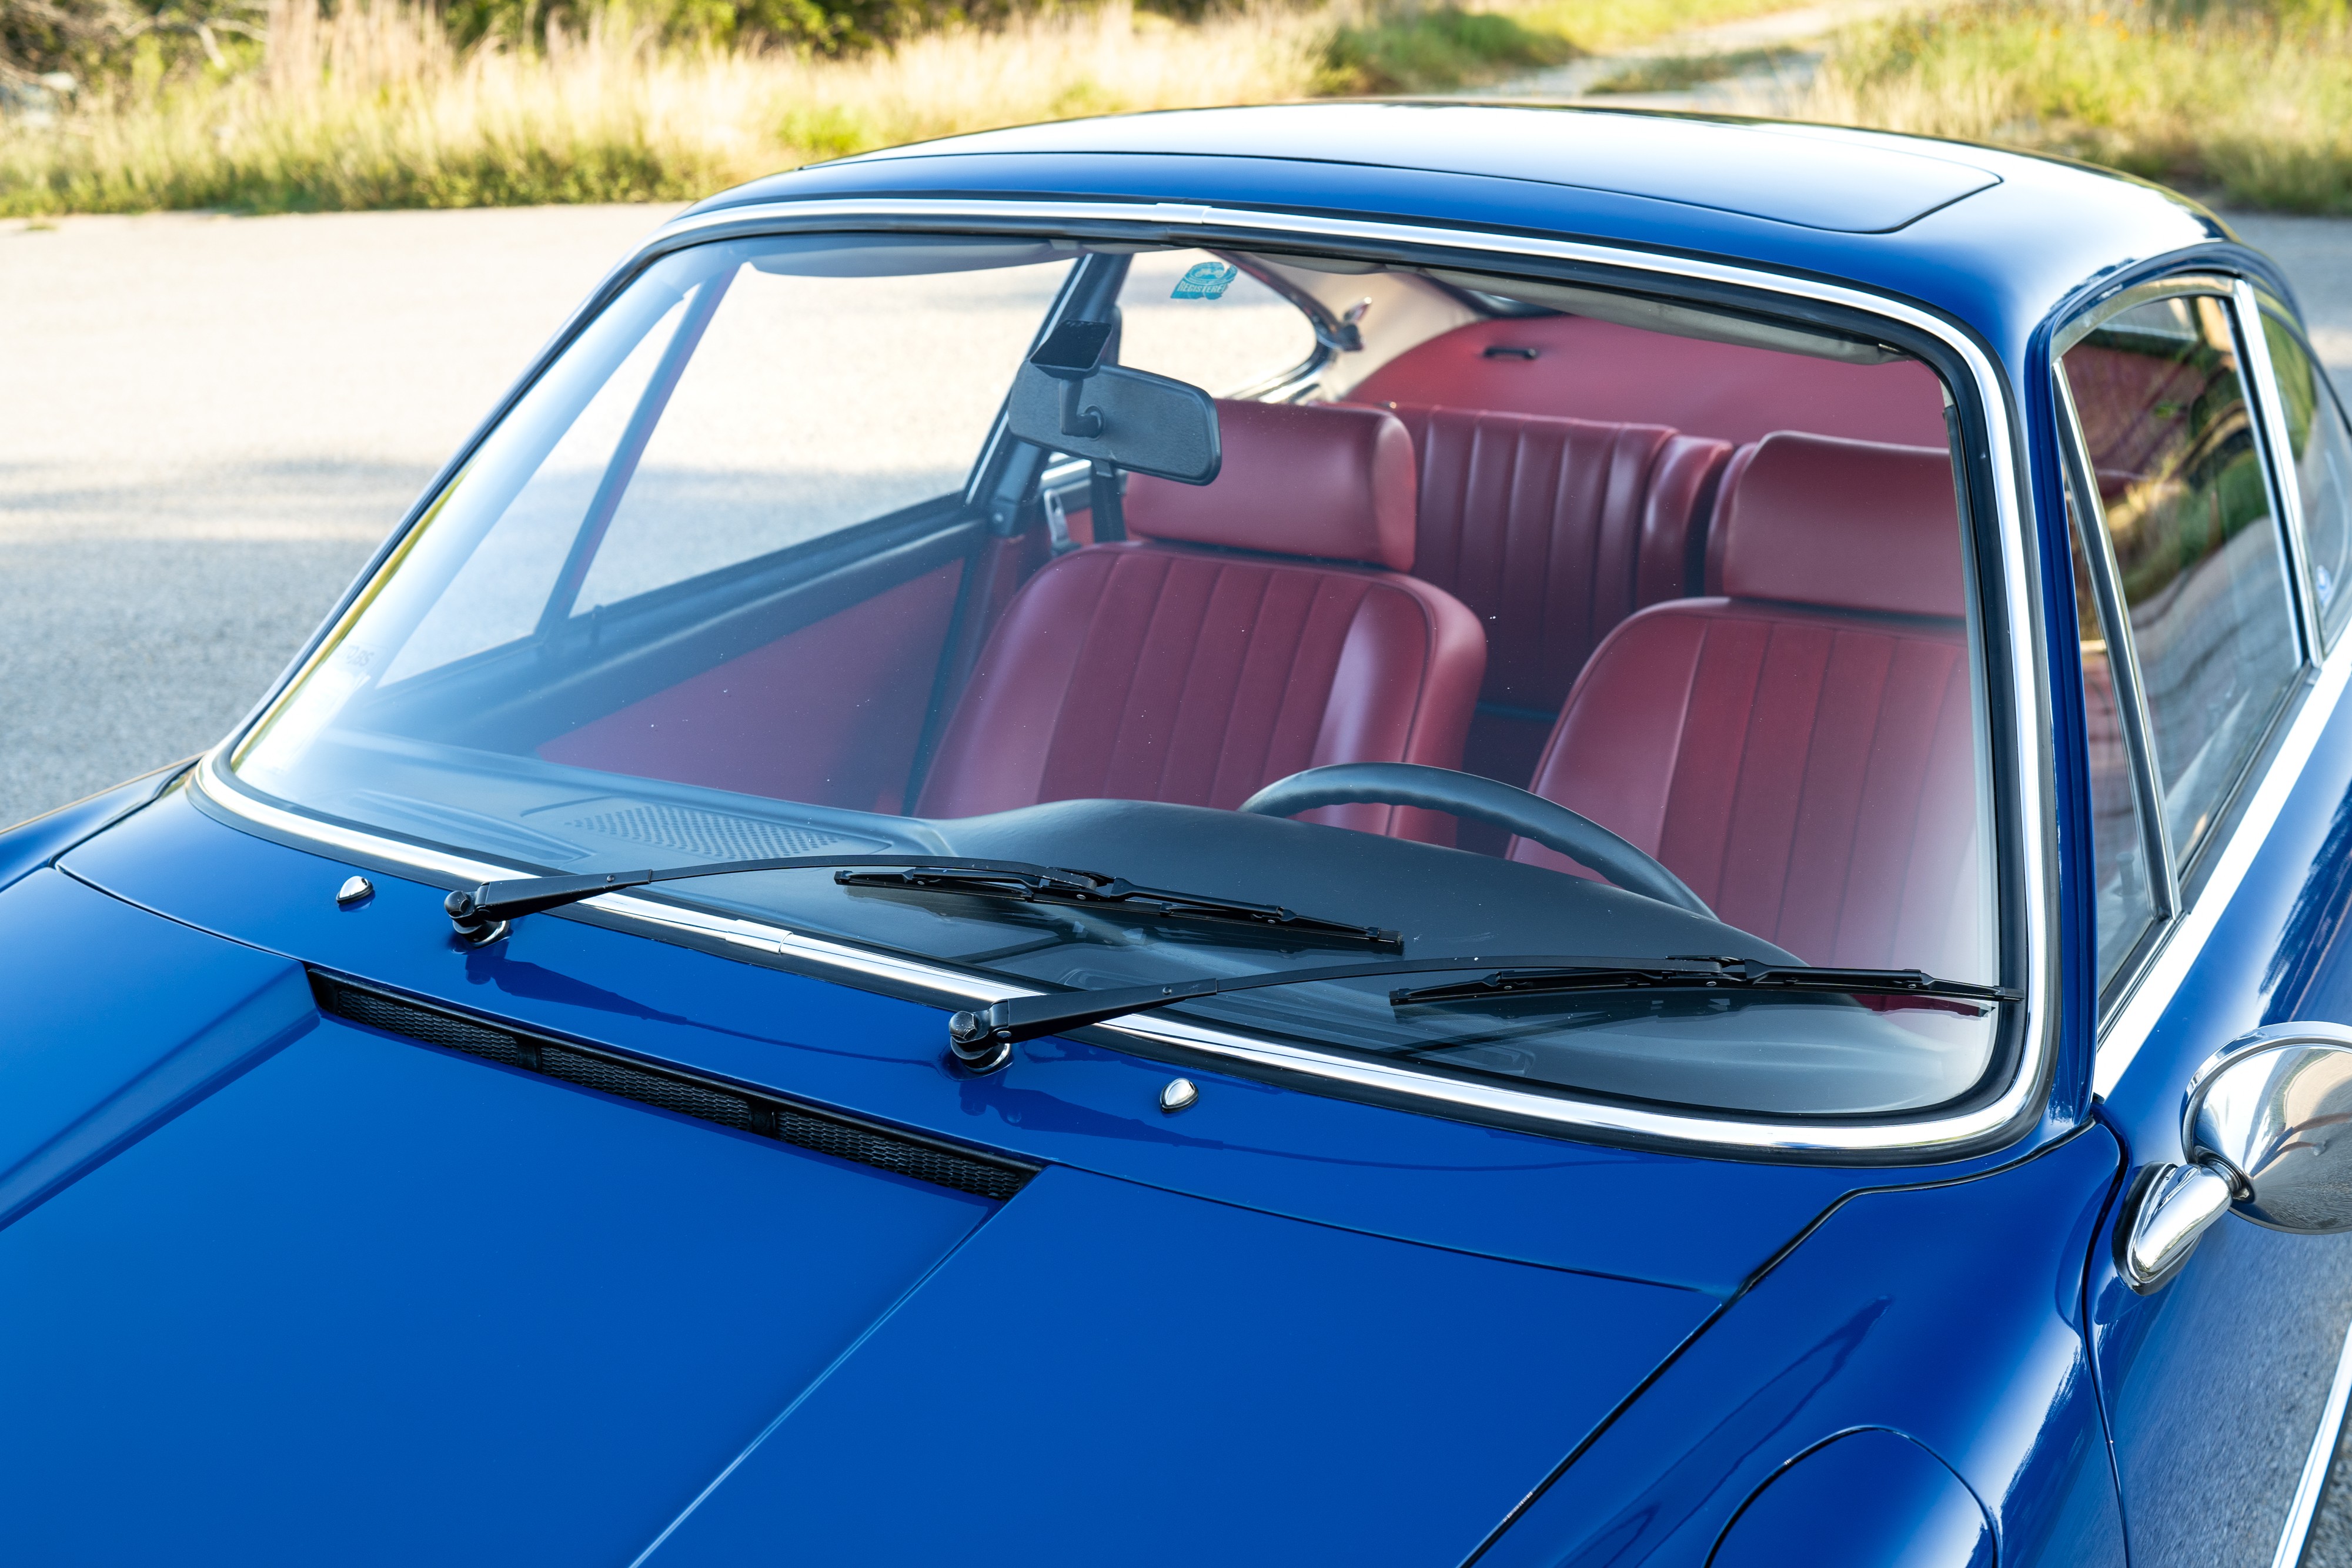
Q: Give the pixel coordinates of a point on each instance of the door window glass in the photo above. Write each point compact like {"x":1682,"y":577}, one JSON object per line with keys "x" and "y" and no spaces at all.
{"x":2170,"y":438}
{"x":2118,"y":843}
{"x":2322,"y":450}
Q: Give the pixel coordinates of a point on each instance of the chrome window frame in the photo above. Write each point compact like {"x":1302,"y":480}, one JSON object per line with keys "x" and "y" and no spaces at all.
{"x":2261,"y":302}
{"x":2192,"y":898}
{"x":2025,"y":795}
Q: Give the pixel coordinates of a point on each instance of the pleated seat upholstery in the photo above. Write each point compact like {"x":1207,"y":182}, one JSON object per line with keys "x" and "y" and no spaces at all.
{"x":1554,"y":531}
{"x":1799,"y":749}
{"x":1254,"y":627}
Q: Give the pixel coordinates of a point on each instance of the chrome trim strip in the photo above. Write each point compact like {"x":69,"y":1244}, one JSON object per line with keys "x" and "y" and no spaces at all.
{"x":2027,"y":699}
{"x":2316,"y":1464}
{"x":2286,"y":493}
{"x":2137,"y":294}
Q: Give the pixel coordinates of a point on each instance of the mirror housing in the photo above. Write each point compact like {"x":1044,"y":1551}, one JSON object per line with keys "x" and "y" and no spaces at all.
{"x":1065,"y":400}
{"x":2267,"y":1125}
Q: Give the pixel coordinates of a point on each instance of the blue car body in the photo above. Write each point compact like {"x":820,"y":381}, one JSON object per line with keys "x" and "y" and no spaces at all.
{"x":285,"y":1285}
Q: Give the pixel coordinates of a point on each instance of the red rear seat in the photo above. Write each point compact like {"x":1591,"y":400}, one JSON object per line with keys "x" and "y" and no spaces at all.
{"x":1800,"y":752}
{"x":1178,"y":668}
{"x":1552,"y":531}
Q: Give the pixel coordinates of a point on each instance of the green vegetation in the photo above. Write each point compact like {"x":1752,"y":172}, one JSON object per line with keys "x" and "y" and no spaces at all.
{"x":298,"y":104}
{"x":1433,"y":51}
{"x":1678,"y":73}
{"x":2253,"y":101}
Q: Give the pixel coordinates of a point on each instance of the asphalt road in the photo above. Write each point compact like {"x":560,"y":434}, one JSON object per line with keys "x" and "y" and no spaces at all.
{"x":206,"y":423}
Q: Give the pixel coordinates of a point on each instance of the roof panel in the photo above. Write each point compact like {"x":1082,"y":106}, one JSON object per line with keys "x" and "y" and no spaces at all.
{"x":1835,"y":181}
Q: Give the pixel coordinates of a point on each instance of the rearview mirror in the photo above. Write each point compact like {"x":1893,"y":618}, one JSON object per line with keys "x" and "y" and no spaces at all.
{"x":2268,"y":1126}
{"x":1065,"y":400}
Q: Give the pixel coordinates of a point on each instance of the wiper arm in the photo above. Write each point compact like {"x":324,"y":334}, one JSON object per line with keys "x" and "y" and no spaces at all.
{"x":484,"y":914}
{"x":983,"y":1041}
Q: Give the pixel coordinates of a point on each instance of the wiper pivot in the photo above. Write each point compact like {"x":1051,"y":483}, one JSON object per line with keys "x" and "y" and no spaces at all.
{"x":1060,"y":885}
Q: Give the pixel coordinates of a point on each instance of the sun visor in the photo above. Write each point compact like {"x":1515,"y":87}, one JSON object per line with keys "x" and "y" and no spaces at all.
{"x":897,"y":255}
{"x":1679,"y":321}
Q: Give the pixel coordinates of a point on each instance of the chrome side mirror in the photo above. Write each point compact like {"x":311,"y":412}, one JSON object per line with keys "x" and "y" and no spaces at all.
{"x":2268,"y":1127}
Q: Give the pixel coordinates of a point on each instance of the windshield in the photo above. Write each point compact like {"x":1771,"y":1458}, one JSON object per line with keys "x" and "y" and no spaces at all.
{"x":796,"y":550}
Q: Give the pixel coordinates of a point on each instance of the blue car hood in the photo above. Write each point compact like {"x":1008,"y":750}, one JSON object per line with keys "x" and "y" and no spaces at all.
{"x":279,"y":1288}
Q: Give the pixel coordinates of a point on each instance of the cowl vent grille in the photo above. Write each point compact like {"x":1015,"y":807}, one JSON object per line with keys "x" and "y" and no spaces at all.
{"x":725,"y":1105}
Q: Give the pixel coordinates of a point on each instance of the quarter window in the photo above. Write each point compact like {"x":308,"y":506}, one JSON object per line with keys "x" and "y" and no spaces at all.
{"x":2322,"y":451}
{"x":1199,"y":318}
{"x":2125,"y":903}
{"x":2194,"y":548}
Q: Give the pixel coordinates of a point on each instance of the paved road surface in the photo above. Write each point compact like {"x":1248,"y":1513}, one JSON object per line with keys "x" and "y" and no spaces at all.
{"x":206,"y":423}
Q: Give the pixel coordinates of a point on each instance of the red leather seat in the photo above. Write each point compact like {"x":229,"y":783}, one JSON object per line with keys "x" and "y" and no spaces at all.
{"x":1252,"y":627}
{"x":1799,"y":751}
{"x":1553,"y":531}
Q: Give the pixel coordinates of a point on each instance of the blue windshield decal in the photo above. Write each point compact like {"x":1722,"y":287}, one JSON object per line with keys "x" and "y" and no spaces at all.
{"x":1206,"y":280}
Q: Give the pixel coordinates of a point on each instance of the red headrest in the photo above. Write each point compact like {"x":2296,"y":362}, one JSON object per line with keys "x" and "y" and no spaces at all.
{"x":1852,"y":524}
{"x":1325,"y":481}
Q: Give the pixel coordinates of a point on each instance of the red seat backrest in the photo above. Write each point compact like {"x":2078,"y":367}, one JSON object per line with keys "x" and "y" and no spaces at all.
{"x":1256,"y":626}
{"x":1801,"y":751}
{"x":1553,"y":531}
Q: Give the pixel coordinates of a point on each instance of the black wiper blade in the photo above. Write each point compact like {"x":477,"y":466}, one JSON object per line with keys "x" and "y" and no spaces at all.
{"x":483,"y":914}
{"x":1088,"y":889}
{"x":983,"y":1041}
{"x":1705,"y":973}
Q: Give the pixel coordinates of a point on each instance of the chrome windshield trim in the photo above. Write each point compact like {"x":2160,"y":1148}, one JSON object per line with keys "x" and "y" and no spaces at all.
{"x":1928,"y":1137}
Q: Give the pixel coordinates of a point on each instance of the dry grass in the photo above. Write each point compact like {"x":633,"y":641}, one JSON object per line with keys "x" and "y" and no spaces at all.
{"x":374,"y":106}
{"x":2255,"y":104}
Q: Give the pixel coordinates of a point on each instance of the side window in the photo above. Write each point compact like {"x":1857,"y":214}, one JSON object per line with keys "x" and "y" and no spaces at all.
{"x":2198,"y":559}
{"x":1193,"y":316}
{"x":2321,"y":449}
{"x":2126,"y":904}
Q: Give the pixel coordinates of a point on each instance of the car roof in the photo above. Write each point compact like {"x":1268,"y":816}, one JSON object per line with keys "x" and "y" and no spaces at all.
{"x":1995,"y":238}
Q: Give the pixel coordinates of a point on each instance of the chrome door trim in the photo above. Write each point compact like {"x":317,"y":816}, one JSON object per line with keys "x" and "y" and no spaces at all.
{"x":2316,"y":1464}
{"x":2179,"y":940}
{"x":2136,"y":295}
{"x":2278,"y":445}
{"x":2027,"y":701}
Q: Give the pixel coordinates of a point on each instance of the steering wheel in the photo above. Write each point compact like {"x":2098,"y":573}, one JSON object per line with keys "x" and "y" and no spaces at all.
{"x":1530,"y":816}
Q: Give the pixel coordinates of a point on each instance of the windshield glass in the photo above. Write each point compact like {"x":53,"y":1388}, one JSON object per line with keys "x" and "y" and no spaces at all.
{"x":796,"y":550}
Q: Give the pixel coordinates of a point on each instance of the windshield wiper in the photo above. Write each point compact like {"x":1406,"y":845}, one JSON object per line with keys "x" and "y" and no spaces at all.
{"x":483,"y":914}
{"x":983,"y":1041}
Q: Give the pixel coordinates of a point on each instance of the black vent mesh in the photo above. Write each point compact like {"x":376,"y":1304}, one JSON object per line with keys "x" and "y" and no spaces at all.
{"x":712,"y":833}
{"x":722,"y":1104}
